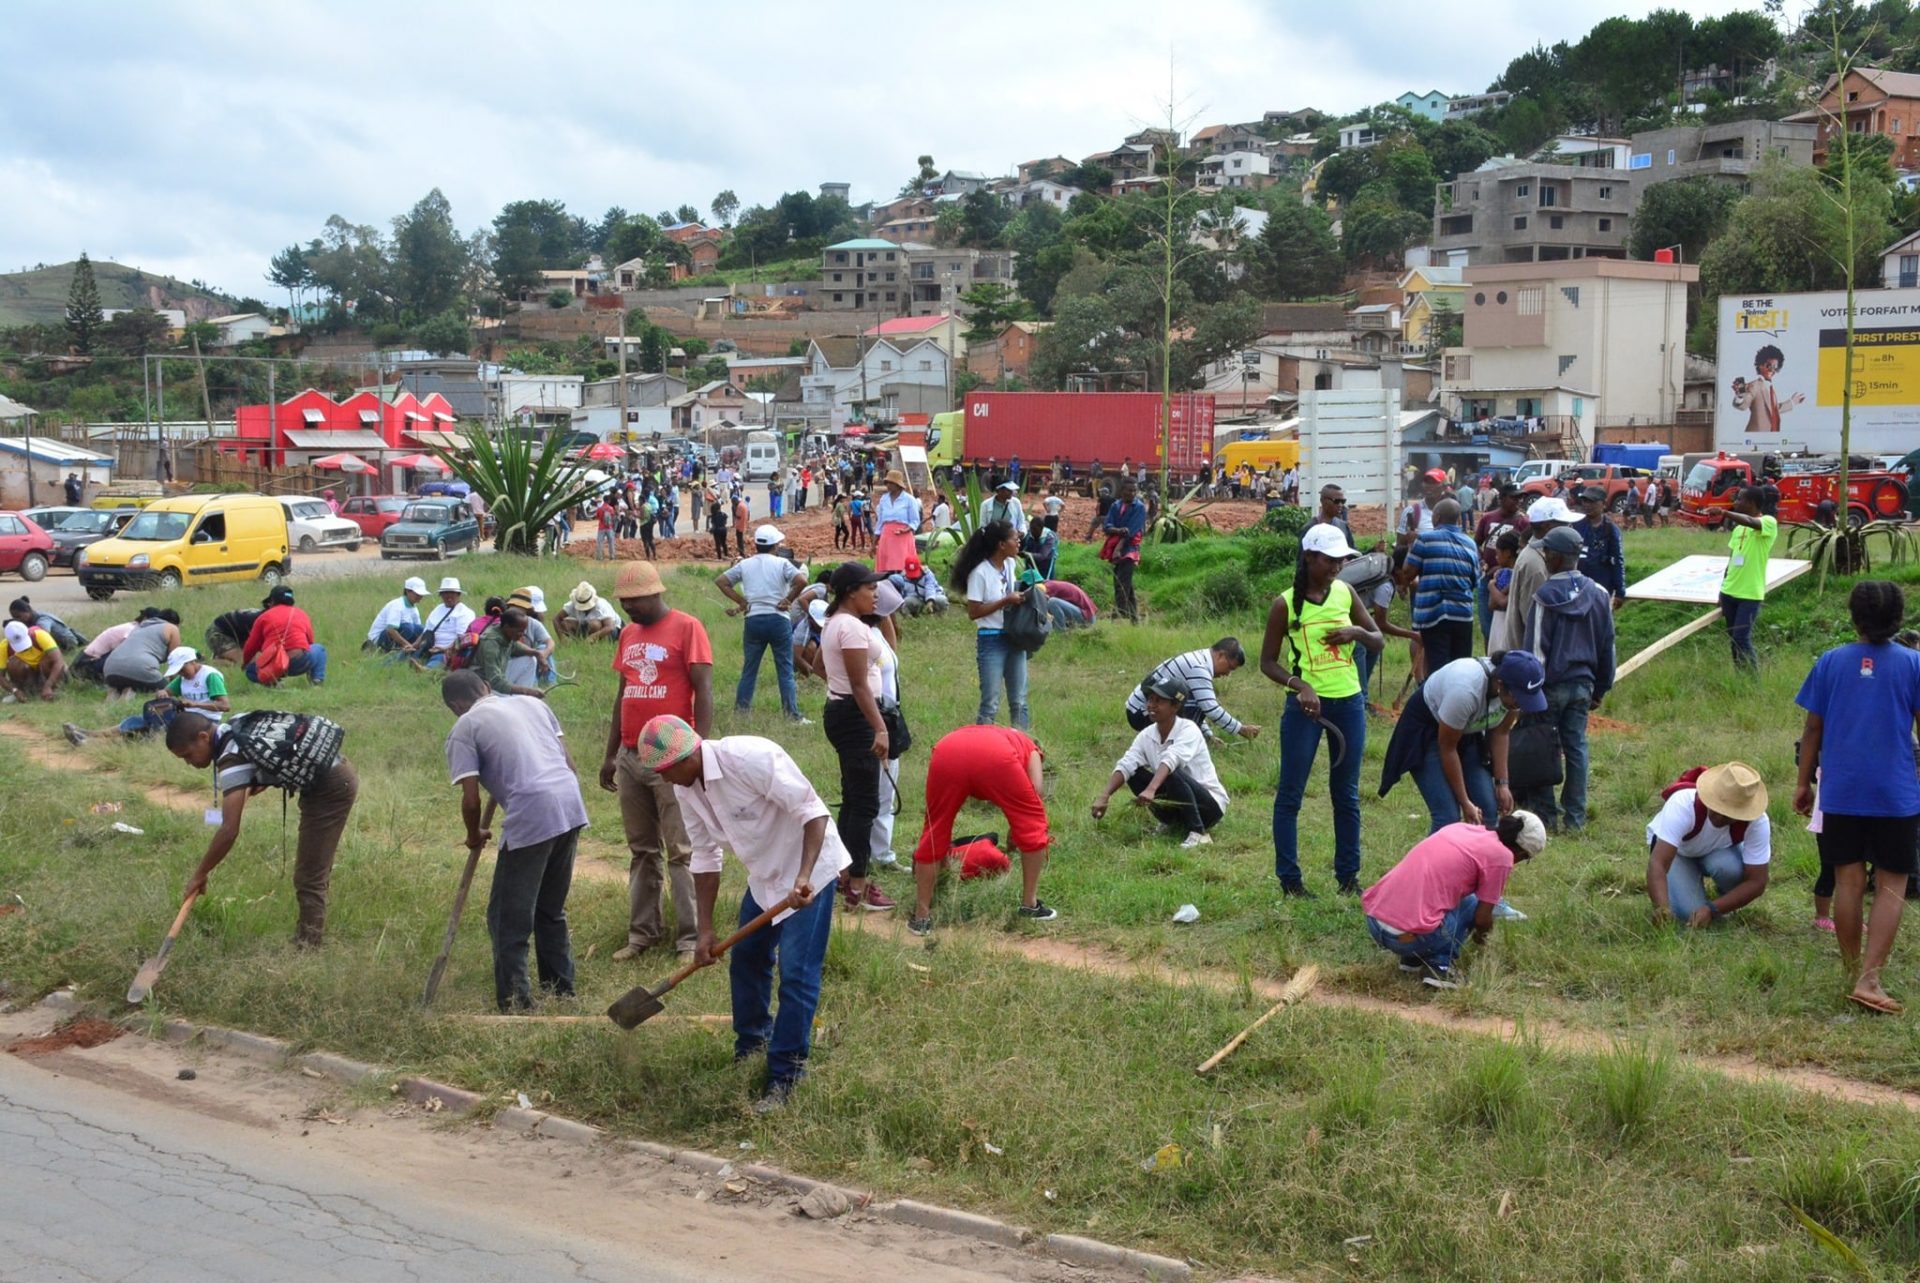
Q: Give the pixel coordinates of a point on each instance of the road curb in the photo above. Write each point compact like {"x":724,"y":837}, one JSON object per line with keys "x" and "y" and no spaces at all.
{"x":425,"y":1092}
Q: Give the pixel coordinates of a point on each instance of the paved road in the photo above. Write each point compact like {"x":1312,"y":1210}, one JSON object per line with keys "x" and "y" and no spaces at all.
{"x":60,"y":591}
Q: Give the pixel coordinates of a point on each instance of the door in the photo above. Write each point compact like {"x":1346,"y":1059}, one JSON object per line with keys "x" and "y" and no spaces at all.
{"x":210,"y":555}
{"x":14,"y":541}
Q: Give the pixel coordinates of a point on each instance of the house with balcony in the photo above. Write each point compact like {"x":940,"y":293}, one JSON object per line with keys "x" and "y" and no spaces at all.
{"x":1217,"y":140}
{"x":1467,"y":105}
{"x":959,"y":182}
{"x":1235,"y":170}
{"x":1361,"y":135}
{"x":936,"y":278}
{"x":1525,"y":212}
{"x":1868,"y":100}
{"x":1127,"y":161}
{"x":1731,"y":152}
{"x":872,"y":381}
{"x":1578,"y":345}
{"x":902,"y":230}
{"x":866,"y":274}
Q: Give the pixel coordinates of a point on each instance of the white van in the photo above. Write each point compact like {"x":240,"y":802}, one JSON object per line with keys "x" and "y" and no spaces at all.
{"x":762,"y":457}
{"x":1541,"y":470}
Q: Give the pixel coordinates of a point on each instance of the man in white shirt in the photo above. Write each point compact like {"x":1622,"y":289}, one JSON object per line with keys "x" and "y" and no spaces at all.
{"x":744,"y":794}
{"x":587,"y":616}
{"x":445,"y":625}
{"x":1168,"y":768}
{"x":762,"y":587}
{"x":1713,"y":827}
{"x":397,"y":626}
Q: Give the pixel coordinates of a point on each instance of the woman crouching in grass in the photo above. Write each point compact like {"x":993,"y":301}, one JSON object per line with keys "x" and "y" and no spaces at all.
{"x":1444,"y":889}
{"x":1169,"y":769}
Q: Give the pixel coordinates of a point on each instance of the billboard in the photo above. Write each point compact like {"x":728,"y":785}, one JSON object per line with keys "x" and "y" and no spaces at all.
{"x":1783,"y":364}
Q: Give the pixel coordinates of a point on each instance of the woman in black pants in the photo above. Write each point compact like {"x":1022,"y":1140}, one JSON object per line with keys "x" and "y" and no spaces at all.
{"x":854,"y":724}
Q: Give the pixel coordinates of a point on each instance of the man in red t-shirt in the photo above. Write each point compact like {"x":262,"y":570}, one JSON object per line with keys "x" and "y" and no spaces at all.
{"x":994,"y":764}
{"x":662,"y":664}
{"x":608,"y":519}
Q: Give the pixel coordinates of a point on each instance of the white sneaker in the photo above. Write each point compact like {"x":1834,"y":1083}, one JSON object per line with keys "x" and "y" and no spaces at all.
{"x":1507,"y":913}
{"x":1196,"y":839}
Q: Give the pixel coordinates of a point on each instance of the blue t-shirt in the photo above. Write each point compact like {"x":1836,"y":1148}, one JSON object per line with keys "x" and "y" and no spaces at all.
{"x":1866,"y":697}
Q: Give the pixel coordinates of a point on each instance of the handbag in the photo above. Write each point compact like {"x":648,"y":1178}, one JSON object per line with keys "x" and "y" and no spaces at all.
{"x":1533,"y":756}
{"x":271,"y":661}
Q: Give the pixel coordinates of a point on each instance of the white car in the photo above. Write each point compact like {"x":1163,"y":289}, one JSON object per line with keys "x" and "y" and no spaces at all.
{"x":312,"y":526}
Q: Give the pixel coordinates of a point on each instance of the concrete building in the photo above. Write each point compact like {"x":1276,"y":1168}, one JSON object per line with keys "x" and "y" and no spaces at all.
{"x":1007,"y":355}
{"x":642,"y":390}
{"x":837,"y":191}
{"x":1576,"y":345}
{"x":875,"y":382}
{"x":940,"y":276}
{"x":742,"y":370}
{"x":1431,"y":104}
{"x":1526,"y":212}
{"x":1240,"y":170}
{"x":862,"y":275}
{"x":1462,"y":107}
{"x":1038,"y":191}
{"x":1217,"y":140}
{"x":1731,"y":151}
{"x":1352,"y":136}
{"x":240,"y":327}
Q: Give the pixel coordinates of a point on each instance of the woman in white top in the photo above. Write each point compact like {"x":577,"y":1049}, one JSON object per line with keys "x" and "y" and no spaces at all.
{"x":886,"y":660}
{"x":853,"y":722}
{"x":1169,"y":769}
{"x":987,"y":570}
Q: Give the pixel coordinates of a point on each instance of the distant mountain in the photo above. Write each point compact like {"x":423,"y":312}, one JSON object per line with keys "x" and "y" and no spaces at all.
{"x":40,"y":296}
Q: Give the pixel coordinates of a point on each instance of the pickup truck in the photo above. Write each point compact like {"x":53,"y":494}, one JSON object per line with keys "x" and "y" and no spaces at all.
{"x":1711,"y":487}
{"x":1588,"y":476}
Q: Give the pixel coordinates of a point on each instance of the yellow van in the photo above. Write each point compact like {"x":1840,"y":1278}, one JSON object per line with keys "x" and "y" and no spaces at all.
{"x":195,"y":539}
{"x":1260,"y":455}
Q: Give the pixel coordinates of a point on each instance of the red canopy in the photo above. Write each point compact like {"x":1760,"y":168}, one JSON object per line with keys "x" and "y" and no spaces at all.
{"x":418,"y":461}
{"x":343,"y":463}
{"x":606,"y":450}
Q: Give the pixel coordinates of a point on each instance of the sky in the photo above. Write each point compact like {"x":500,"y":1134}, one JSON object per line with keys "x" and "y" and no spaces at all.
{"x":197,"y":139}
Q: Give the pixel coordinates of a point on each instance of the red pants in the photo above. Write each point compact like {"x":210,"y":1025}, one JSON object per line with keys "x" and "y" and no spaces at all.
{"x":988,"y":763}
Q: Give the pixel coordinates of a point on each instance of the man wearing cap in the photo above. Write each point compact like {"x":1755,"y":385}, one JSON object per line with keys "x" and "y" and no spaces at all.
{"x":1529,"y":572}
{"x":1602,"y":559}
{"x":1445,"y":889}
{"x":586,"y":616}
{"x":397,"y":626}
{"x":898,"y":513}
{"x":1713,"y":827}
{"x":532,"y":662}
{"x":1744,"y":585}
{"x":761,"y":587}
{"x":445,"y":626}
{"x":744,"y":794}
{"x":1168,"y":768}
{"x":31,"y":662}
{"x":1125,"y":525}
{"x":1453,"y":726}
{"x":1005,"y":506}
{"x":920,"y":587}
{"x":515,"y":750}
{"x":663,"y":666}
{"x":1416,"y":518}
{"x":1443,"y":567}
{"x":191,"y":686}
{"x":1570,"y":631}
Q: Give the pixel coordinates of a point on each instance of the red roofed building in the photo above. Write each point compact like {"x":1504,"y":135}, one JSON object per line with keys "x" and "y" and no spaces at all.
{"x":312,"y":424}
{"x":947,"y":332}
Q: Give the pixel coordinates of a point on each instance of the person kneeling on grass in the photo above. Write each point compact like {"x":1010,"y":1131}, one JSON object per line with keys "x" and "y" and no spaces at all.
{"x":30,"y":662}
{"x":1712,"y":825}
{"x":1168,"y":767}
{"x":191,"y":685}
{"x":997,"y":765}
{"x":1445,"y":888}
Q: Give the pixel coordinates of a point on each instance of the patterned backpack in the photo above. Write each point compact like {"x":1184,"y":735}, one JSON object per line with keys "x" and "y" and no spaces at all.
{"x":289,"y":750}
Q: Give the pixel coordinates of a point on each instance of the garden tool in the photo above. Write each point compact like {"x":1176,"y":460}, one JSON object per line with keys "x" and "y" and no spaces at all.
{"x":143,"y":981}
{"x":641,"y":1003}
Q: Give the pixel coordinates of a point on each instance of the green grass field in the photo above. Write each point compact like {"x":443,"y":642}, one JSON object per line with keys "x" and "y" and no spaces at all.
{"x":1445,"y":1153}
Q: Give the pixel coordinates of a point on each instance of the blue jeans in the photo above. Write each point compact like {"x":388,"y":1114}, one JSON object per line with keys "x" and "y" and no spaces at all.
{"x":1482,"y":608}
{"x":410,"y":632}
{"x":773,"y":505}
{"x":1740,"y":615}
{"x":1688,"y":874}
{"x":1367,"y":662}
{"x":763,"y":633}
{"x":1437,"y":948}
{"x":603,"y":543}
{"x":1000,"y":663}
{"x":1568,"y":704}
{"x":155,"y":715}
{"x":1442,"y":807}
{"x":310,"y":664}
{"x":1299,"y":743}
{"x":799,"y":945}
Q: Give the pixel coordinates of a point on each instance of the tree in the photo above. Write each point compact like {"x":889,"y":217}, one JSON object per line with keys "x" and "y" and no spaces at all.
{"x":135,"y":332}
{"x":1296,"y":255}
{"x":983,"y":217}
{"x":1085,"y":335}
{"x":922,"y":177}
{"x":1459,"y":147}
{"x":637,"y":236}
{"x":990,"y":307}
{"x":653,"y":350}
{"x":725,"y":206}
{"x":1344,"y":174}
{"x":288,"y":269}
{"x":83,"y":306}
{"x":1689,"y":213}
{"x":444,"y":335}
{"x":531,"y":236}
{"x":429,"y":257}
{"x":686,"y":214}
{"x":1374,"y":229}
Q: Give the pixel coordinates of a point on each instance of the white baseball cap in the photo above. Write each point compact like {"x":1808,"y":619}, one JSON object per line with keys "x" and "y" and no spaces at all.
{"x":538,"y":598}
{"x":768,"y":537}
{"x":1532,"y":837}
{"x":19,"y":636}
{"x":1548,"y":508}
{"x":178,"y":658}
{"x":817,"y":611}
{"x":415,"y":585}
{"x":450,"y":584}
{"x":1328,"y":541}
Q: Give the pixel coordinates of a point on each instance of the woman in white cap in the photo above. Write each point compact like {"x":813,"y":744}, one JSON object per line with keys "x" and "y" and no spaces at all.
{"x":1445,"y":889}
{"x":191,"y":684}
{"x":1313,"y":630}
{"x":898,"y":514}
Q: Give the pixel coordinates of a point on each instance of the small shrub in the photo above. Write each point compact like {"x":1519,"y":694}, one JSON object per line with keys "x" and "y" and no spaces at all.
{"x":1287,"y":520}
{"x":560,"y":298}
{"x":1633,"y":1086}
{"x":1225,"y":592}
{"x":1491,"y":1091}
{"x":1269,"y":553}
{"x":1351,"y":1101}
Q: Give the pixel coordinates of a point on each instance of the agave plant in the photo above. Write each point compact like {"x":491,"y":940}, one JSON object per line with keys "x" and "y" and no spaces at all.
{"x":1848,"y":549}
{"x":524,"y":490}
{"x":966,"y":519}
{"x":1182,"y":521}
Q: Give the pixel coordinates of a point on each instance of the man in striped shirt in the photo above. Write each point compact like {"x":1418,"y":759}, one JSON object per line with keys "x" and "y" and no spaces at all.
{"x":1198,"y":669}
{"x":1444,"y":566}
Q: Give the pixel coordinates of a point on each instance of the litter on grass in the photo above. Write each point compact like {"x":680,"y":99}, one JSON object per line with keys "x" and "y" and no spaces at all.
{"x":1187,"y":913}
{"x":121,"y":826}
{"x":1165,"y":1159}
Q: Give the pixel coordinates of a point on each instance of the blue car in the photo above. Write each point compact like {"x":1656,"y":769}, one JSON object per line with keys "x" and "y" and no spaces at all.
{"x":432,"y":528}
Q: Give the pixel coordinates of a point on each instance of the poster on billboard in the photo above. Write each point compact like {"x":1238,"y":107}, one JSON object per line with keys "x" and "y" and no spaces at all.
{"x":1782,"y":371}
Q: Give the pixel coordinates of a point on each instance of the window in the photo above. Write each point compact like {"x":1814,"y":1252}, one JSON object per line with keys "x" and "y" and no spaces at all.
{"x":1606,"y":224}
{"x":212,"y":529}
{"x":836,"y":276}
{"x":892,"y":296}
{"x":1896,"y":127}
{"x":1520,"y":223}
{"x":1556,"y":222}
{"x":1501,"y":298}
{"x":1549,"y":195}
{"x":1523,"y":191}
{"x":1606,"y":193}
{"x":926,"y":365}
{"x":12,"y":526}
{"x":886,"y":367}
{"x":1531,"y":301}
{"x":889,"y":275}
{"x":839,"y":298}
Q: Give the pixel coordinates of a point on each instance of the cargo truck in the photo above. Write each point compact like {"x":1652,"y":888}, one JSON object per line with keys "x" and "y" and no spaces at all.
{"x":1079,"y":427}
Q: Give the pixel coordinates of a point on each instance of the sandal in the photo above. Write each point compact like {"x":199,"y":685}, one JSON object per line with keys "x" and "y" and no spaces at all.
{"x":1885,"y":1006}
{"x":1823,"y":924}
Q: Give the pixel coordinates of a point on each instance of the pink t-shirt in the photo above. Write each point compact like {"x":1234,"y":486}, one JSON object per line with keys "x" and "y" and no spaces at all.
{"x":1440,"y":871}
{"x":846,"y":629}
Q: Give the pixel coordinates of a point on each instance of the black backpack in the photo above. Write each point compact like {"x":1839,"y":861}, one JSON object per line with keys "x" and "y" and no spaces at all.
{"x":289,"y":750}
{"x":1026,"y":624}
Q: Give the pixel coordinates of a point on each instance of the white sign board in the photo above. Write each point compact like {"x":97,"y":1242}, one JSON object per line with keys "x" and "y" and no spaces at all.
{"x":1351,"y":438}
{"x":1783,"y":363}
{"x":1697,"y":579}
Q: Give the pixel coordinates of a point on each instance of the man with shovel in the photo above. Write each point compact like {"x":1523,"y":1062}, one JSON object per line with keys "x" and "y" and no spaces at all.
{"x":744,"y":794}
{"x":514,"y":748}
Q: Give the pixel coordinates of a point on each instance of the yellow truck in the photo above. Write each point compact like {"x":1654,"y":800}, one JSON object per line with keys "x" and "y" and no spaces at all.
{"x":945,"y":435}
{"x":1259,"y":455}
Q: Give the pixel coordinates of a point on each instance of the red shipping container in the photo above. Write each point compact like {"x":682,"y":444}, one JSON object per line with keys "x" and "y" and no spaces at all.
{"x":1083,"y":426}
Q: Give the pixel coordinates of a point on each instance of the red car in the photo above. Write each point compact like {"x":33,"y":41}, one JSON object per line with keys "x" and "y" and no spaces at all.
{"x":25,"y":549}
{"x":374,"y":513}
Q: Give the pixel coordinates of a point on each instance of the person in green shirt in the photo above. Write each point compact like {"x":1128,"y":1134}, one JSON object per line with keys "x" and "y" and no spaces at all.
{"x":192,"y":683}
{"x":1745,"y":584}
{"x":499,"y":643}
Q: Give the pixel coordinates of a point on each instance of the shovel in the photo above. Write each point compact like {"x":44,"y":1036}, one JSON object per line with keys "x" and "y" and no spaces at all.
{"x":640,"y":1003}
{"x":453,"y":929}
{"x":143,"y":981}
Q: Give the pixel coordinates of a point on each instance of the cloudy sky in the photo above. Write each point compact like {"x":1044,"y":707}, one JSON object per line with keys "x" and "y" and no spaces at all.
{"x":198,"y":138}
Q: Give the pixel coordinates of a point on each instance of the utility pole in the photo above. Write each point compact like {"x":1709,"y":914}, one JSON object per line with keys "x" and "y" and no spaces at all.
{"x":625,"y":435}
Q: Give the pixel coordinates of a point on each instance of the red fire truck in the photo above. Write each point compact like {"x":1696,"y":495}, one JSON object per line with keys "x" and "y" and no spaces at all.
{"x":1711,"y":486}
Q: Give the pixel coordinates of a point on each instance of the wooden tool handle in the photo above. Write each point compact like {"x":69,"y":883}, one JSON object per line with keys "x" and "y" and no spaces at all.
{"x":453,"y":924}
{"x":1297,"y":988}
{"x":180,"y":919}
{"x":766,"y":916}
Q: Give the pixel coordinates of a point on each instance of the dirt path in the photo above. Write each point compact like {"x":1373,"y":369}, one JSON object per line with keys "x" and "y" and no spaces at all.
{"x":609,"y":868}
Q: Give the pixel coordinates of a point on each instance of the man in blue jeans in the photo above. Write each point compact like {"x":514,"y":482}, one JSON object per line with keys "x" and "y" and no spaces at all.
{"x":1570,"y":630}
{"x":1712,"y":827}
{"x":762,"y":587}
{"x":744,"y":794}
{"x":1446,"y":889}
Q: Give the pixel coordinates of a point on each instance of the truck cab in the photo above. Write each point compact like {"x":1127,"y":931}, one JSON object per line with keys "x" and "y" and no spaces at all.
{"x":1541,"y":470}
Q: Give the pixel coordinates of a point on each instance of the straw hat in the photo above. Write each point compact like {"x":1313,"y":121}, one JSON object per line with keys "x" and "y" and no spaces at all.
{"x":584,"y":596}
{"x":1734,"y":790}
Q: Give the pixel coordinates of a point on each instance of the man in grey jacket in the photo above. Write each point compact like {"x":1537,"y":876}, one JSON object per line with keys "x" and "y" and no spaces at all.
{"x":1569,"y":627}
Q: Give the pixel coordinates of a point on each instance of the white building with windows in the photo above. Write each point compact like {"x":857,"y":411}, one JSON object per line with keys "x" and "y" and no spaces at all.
{"x":875,"y":380}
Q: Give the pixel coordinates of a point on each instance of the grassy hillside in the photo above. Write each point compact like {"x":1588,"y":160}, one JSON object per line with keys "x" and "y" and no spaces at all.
{"x":40,"y":296}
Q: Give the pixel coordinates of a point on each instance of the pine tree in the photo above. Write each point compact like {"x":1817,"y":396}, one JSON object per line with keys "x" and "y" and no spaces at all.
{"x":83,"y":307}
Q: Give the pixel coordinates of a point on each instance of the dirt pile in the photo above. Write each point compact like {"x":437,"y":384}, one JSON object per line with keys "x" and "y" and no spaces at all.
{"x":82,"y":1033}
